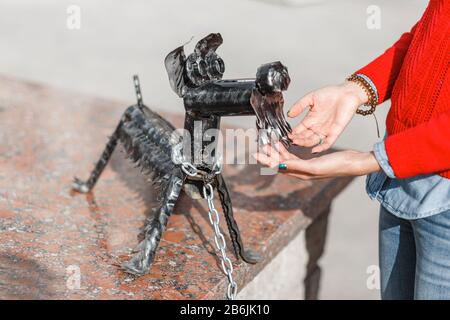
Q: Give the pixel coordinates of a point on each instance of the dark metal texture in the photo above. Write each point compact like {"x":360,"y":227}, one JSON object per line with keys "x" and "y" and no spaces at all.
{"x":149,"y":139}
{"x":221,"y":98}
{"x":145,"y":251}
{"x":233,"y":229}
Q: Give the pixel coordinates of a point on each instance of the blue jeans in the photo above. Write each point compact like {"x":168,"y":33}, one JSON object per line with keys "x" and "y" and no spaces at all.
{"x":414,"y":256}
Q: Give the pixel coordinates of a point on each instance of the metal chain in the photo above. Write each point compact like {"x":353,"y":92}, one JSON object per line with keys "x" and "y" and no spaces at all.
{"x":177,"y":158}
{"x":219,"y":239}
{"x":213,"y":214}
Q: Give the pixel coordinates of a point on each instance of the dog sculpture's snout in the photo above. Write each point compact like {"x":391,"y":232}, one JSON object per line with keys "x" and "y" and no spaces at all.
{"x":272,"y":77}
{"x":215,"y":66}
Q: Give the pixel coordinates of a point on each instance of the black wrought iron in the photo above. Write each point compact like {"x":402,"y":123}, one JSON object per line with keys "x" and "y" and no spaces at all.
{"x":150,"y":140}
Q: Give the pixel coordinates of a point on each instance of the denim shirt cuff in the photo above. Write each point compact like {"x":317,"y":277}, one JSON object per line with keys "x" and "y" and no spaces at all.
{"x":379,"y":150}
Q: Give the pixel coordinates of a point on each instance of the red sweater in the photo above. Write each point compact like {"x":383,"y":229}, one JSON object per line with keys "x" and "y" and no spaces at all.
{"x":414,"y":73}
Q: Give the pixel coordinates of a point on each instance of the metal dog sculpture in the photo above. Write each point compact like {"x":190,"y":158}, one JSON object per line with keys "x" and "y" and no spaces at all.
{"x":155,"y":146}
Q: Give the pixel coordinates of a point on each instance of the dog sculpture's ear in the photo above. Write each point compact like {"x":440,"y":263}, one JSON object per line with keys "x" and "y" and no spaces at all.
{"x":175,"y":63}
{"x":203,"y":65}
{"x":209,"y":43}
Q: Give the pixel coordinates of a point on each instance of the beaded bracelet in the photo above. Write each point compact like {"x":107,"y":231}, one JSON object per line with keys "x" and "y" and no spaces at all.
{"x":368,"y":89}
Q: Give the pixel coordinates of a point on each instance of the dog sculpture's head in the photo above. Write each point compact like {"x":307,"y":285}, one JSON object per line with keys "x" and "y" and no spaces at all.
{"x":272,"y":77}
{"x":267,"y":101}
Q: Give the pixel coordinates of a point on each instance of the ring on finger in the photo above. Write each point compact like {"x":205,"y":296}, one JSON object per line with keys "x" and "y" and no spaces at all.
{"x":321,"y":138}
{"x":320,"y":141}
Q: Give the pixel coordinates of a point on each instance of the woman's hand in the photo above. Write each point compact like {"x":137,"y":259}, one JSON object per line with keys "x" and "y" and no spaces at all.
{"x":331,"y":109}
{"x":336,"y":164}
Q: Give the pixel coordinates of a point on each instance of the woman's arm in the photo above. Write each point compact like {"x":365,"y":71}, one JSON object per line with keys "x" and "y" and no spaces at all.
{"x":384,"y":70}
{"x":336,"y":164}
{"x":423,"y":149}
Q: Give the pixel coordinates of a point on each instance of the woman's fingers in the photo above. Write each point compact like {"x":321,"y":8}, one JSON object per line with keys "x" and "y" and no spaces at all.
{"x":334,"y":129}
{"x":284,"y":154}
{"x":310,"y":141}
{"x":298,"y":168}
{"x":299,"y":129}
{"x":309,"y":121}
{"x":281,"y":149}
{"x":301,"y":105}
{"x":273,"y":153}
{"x":265,"y":160}
{"x":272,"y":156}
{"x":289,"y":166}
{"x":310,"y":138}
{"x":306,"y":138}
{"x":330,"y":139}
{"x":322,"y":147}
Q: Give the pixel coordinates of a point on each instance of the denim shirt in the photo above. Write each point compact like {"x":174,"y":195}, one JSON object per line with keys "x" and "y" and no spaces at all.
{"x":411,"y":198}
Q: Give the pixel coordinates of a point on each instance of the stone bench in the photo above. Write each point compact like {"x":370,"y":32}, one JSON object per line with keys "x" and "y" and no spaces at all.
{"x":56,"y":244}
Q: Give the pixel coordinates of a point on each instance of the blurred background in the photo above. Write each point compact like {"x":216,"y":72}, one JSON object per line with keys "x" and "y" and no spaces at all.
{"x":321,"y":42}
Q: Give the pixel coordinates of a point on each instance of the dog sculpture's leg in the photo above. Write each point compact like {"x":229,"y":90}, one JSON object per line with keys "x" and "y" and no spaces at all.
{"x":140,"y":263}
{"x":225,"y":199}
{"x":86,"y":186}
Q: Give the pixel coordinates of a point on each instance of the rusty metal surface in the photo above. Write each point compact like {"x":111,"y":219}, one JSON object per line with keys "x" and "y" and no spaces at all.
{"x":47,"y":136}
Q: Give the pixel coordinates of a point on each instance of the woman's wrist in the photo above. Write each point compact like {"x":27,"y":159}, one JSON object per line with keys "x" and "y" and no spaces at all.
{"x":356,"y":91}
{"x":344,"y":164}
{"x":357,"y":163}
{"x":367,"y":163}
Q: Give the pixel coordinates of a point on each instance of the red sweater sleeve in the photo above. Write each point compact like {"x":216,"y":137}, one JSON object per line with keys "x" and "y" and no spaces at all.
{"x":383,"y":71}
{"x":423,"y":149}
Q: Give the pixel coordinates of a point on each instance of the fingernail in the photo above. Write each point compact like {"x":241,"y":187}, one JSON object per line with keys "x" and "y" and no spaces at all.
{"x":282,"y":166}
